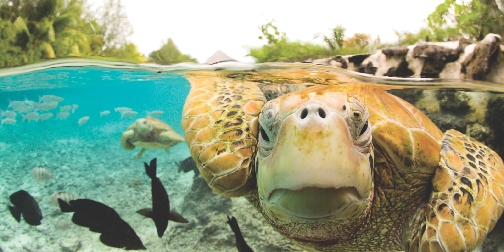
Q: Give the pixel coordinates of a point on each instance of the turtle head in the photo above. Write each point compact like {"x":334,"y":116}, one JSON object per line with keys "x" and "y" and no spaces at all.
{"x":143,"y":127}
{"x":315,"y":158}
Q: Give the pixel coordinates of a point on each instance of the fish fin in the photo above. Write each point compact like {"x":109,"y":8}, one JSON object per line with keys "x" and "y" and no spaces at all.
{"x":147,"y":212}
{"x":111,"y":240}
{"x":150,"y":169}
{"x":167,"y":150}
{"x":140,"y":153}
{"x":127,"y":241}
{"x":64,"y":206}
{"x":174,"y":216}
{"x":16,"y":213}
{"x":233,"y":223}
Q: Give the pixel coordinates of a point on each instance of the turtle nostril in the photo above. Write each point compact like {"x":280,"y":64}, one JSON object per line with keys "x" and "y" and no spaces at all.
{"x":304,"y":113}
{"x":321,"y":113}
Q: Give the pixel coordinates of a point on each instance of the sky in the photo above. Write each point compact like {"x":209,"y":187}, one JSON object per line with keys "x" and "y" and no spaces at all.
{"x":201,"y":27}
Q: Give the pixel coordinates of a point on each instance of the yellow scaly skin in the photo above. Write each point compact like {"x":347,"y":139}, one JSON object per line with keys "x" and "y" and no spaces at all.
{"x":220,"y":124}
{"x":467,"y":198}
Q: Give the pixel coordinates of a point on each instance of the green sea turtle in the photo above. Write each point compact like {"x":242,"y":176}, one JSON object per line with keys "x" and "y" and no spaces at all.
{"x":149,"y":133}
{"x":342,"y":166}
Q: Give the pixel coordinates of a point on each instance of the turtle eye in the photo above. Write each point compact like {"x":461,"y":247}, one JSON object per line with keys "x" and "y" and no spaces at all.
{"x":364,"y":128}
{"x":264,"y":136}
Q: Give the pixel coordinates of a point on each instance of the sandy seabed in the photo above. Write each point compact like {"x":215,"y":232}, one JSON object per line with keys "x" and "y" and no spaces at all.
{"x":99,"y":169}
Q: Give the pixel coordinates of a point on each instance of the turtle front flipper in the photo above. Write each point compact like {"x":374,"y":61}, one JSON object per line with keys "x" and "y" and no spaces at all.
{"x":467,"y":198}
{"x":140,"y":153}
{"x":126,"y":135}
{"x":220,"y":126}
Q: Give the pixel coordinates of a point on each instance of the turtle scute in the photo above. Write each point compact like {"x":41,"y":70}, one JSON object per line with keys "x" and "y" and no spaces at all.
{"x":467,"y":195}
{"x":220,"y":124}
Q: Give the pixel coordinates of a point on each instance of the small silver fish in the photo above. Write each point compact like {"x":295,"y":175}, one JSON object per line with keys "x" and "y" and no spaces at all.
{"x":104,"y":113}
{"x":122,"y":109}
{"x":45,"y":116}
{"x":32,"y":116}
{"x":155,"y":113}
{"x":128,"y":113}
{"x":50,"y":98}
{"x":46,"y":106}
{"x":8,"y":121}
{"x":15,"y":103}
{"x":74,"y":107}
{"x":65,"y":108}
{"x":23,"y":107}
{"x":9,"y":114}
{"x":83,"y":120}
{"x":63,"y":115}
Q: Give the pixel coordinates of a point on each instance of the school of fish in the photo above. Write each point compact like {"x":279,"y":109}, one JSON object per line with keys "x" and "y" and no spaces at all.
{"x":49,"y":106}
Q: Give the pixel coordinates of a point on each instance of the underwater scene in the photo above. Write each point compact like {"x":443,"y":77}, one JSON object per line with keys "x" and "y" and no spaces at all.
{"x":60,"y":137}
{"x":89,"y":150}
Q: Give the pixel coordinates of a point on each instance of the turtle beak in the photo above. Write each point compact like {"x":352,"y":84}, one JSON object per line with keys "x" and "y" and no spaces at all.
{"x":315,"y":170}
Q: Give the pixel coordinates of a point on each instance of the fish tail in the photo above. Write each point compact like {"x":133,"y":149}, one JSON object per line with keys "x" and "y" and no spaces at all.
{"x":150,"y":169}
{"x":16,"y":213}
{"x":65,"y":207}
{"x":176,"y":217}
{"x":147,"y":212}
{"x":233,"y":223}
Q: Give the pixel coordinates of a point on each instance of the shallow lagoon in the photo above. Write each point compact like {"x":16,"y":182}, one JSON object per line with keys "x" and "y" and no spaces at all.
{"x":87,"y":160}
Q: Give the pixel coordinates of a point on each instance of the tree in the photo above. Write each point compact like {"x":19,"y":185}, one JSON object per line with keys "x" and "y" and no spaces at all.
{"x":32,"y":30}
{"x":115,"y":27}
{"x":170,"y":54}
{"x":271,"y":34}
{"x":473,"y":19}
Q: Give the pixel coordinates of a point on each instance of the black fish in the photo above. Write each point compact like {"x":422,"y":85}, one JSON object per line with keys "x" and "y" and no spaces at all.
{"x":25,"y":204}
{"x":240,"y":242}
{"x":160,"y":211}
{"x":188,"y":165}
{"x":100,"y":218}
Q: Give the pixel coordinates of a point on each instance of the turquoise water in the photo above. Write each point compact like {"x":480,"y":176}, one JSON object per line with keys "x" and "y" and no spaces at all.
{"x":93,"y":90}
{"x":86,"y":160}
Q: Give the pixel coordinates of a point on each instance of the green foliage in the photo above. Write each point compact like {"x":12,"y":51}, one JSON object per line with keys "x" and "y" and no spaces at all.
{"x":271,"y":34}
{"x":289,"y":51}
{"x":472,"y":19}
{"x":34,"y":30}
{"x":335,"y":40}
{"x":170,"y":54}
{"x":279,"y":48}
{"x":425,"y":34}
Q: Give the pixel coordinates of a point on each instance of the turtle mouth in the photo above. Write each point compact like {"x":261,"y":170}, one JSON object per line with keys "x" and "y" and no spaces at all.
{"x":314,"y":203}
